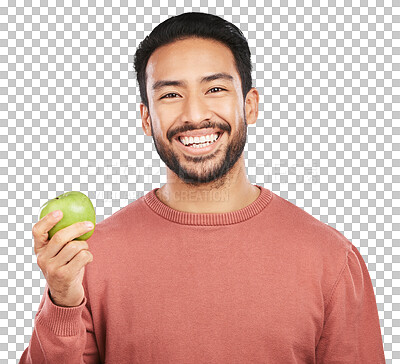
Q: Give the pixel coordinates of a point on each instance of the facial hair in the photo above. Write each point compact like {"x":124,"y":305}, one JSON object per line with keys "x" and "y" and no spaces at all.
{"x":204,"y":169}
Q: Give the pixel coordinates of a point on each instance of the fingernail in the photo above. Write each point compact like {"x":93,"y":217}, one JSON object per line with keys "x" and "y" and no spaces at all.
{"x":89,"y":225}
{"x":57,"y":213}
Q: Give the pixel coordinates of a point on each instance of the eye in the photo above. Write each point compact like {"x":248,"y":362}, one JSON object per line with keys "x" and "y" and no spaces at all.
{"x":167,"y":96}
{"x":216,"y":88}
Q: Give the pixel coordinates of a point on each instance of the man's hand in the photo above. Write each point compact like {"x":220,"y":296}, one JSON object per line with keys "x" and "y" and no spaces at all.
{"x":62,"y":259}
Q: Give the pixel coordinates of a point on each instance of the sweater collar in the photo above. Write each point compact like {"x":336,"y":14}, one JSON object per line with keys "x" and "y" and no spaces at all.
{"x":209,"y":219}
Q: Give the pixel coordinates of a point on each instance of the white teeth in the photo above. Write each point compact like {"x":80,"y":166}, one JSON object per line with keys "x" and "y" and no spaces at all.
{"x":200,"y":145}
{"x":211,"y":138}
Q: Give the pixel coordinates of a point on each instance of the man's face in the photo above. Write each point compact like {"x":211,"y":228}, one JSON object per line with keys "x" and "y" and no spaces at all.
{"x":190,"y":103}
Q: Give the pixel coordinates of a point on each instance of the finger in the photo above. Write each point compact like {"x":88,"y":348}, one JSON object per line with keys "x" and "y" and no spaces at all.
{"x":69,"y":251}
{"x":43,"y":226}
{"x":64,"y":236}
{"x":79,"y":261}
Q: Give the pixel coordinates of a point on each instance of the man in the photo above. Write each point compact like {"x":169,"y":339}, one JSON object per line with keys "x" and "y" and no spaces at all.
{"x":208,"y":268}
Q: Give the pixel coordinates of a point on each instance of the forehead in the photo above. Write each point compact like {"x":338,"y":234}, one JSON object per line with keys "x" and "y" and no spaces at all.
{"x":190,"y":58}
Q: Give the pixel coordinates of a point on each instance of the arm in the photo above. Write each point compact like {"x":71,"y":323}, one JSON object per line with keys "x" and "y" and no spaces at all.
{"x":63,"y":330}
{"x":351,"y":332}
{"x":61,"y":335}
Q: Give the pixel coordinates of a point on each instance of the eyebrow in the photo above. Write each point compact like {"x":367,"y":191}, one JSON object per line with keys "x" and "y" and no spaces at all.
{"x":216,"y":76}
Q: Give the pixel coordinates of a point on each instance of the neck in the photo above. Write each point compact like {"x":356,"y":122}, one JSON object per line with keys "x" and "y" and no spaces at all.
{"x":233,"y":192}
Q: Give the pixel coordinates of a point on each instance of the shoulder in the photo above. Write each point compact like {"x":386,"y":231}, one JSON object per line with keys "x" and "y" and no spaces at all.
{"x":315,"y":247}
{"x":117,"y":225}
{"x":313,"y":242}
{"x":312,"y":233}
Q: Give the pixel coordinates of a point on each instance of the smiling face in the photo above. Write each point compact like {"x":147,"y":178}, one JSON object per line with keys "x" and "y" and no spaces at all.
{"x":194,"y":89}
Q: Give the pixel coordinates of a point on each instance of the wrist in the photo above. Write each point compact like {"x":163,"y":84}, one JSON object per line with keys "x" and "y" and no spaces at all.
{"x":62,"y":321}
{"x":64,"y":303}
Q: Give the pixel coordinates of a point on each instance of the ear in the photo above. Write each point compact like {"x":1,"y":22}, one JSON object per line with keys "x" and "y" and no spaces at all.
{"x":251,"y":106}
{"x":144,"y":112}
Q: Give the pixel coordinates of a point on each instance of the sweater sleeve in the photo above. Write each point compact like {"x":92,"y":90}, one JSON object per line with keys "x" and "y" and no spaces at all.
{"x":351,"y":332}
{"x":61,"y":335}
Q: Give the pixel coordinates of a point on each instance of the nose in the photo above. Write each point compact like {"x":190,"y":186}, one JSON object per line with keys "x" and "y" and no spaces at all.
{"x":195,"y":109}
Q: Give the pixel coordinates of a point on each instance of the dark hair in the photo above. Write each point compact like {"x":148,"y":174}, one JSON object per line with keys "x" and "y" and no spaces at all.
{"x":198,"y":25}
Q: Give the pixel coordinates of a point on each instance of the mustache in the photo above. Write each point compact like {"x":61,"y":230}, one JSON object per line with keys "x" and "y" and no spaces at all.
{"x":203,"y":125}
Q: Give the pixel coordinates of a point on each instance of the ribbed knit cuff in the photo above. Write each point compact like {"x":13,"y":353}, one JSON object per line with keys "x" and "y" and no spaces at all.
{"x":63,"y":321}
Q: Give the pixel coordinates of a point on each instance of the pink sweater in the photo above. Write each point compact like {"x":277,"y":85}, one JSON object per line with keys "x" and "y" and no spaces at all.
{"x":265,"y":284}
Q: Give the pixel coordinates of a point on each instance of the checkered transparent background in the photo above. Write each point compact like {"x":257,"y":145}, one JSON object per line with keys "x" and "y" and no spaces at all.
{"x":327,"y":138}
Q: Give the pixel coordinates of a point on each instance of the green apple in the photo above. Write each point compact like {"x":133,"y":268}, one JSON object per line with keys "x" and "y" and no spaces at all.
{"x":76,"y":207}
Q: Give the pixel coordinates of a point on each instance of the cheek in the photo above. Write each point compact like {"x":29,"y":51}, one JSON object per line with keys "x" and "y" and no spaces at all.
{"x":161,"y":120}
{"x":226,"y":107}
{"x":229,"y":110}
{"x":166,"y":112}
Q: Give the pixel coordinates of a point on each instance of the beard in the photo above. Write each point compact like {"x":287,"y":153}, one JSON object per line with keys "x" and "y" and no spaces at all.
{"x":205,"y":169}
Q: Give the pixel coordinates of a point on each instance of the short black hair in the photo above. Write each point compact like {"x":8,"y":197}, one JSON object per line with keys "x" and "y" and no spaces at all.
{"x":197,"y":25}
